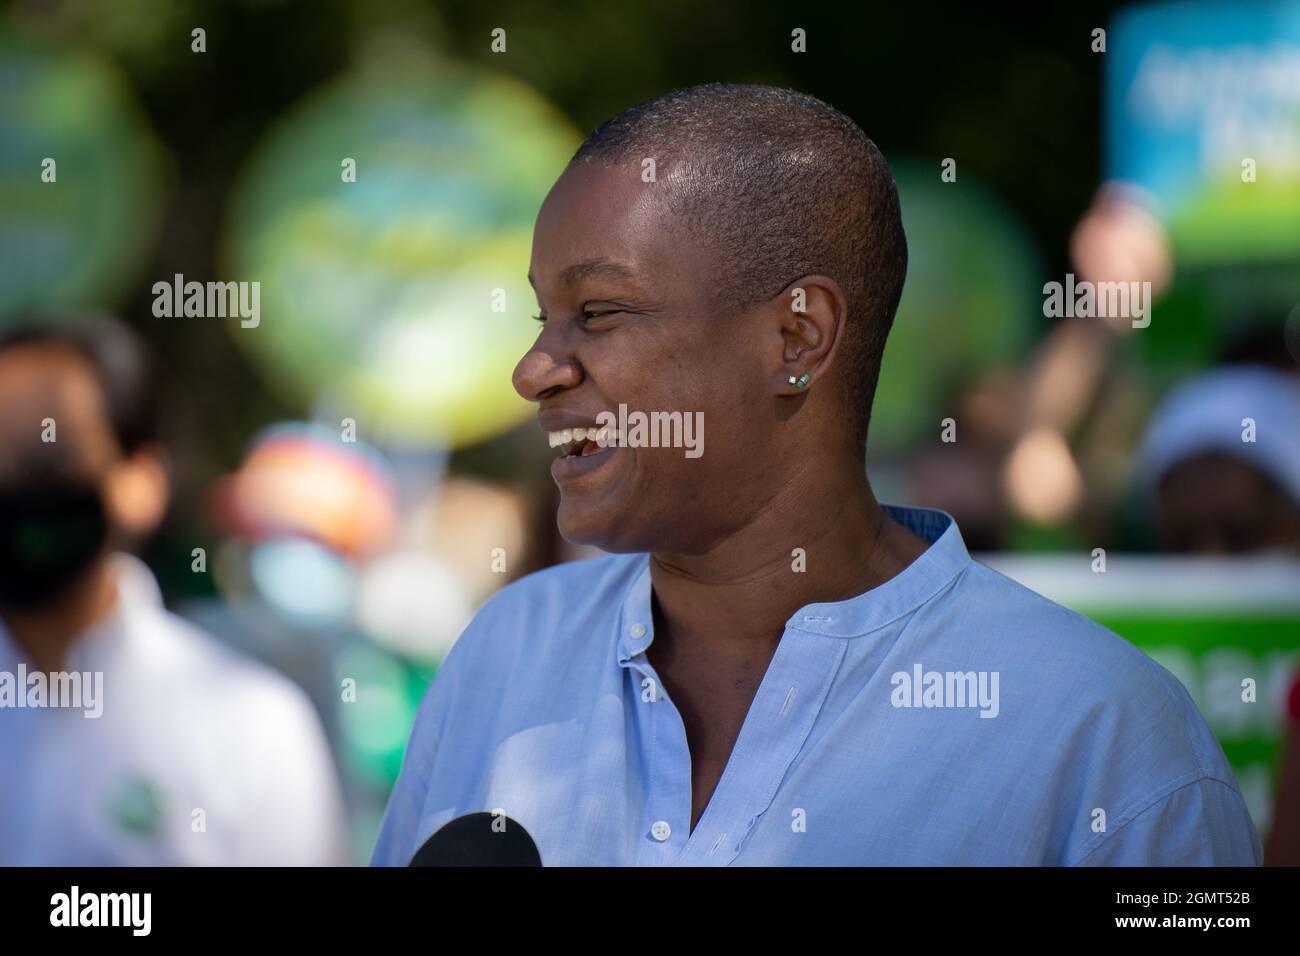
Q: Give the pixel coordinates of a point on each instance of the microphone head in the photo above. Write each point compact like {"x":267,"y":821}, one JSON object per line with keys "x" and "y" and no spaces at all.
{"x":479,"y":839}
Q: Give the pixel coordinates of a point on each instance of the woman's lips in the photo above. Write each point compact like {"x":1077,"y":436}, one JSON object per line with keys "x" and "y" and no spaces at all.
{"x":569,"y":467}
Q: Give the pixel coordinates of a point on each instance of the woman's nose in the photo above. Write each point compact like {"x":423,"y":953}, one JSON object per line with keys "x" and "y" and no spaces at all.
{"x":539,"y":371}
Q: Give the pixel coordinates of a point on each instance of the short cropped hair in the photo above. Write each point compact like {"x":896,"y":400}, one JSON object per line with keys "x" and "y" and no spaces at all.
{"x":782,"y":185}
{"x":119,"y":360}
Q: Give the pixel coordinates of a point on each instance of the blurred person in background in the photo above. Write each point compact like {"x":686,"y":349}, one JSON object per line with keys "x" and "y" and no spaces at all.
{"x":1220,"y":463}
{"x":196,"y":755}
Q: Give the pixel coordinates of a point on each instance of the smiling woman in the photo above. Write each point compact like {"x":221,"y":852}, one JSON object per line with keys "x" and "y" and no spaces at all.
{"x":718,"y":690}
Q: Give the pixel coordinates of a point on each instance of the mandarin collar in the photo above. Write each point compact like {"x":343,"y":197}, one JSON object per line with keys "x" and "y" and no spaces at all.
{"x":931,"y":572}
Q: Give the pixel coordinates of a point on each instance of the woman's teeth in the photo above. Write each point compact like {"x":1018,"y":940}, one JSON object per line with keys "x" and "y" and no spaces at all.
{"x":580,"y":441}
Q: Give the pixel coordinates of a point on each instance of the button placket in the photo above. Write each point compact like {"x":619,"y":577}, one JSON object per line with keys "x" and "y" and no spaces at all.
{"x":662,"y":804}
{"x":779,"y":721}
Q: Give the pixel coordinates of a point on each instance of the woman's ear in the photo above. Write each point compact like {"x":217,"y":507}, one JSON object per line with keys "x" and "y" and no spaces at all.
{"x":137,"y":490}
{"x":813,"y":311}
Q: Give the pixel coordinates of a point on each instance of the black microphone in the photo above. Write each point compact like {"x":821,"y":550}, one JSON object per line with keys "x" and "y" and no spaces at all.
{"x":473,"y":840}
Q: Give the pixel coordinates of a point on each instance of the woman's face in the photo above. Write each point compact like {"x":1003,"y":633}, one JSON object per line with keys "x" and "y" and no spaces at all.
{"x":630,"y":319}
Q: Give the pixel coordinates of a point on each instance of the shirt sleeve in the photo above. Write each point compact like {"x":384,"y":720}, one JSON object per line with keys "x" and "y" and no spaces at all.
{"x":296,"y":813}
{"x":1203,"y":823}
{"x":313,"y":801}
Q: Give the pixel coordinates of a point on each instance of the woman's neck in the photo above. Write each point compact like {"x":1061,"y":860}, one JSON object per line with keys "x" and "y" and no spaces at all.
{"x":812,"y":543}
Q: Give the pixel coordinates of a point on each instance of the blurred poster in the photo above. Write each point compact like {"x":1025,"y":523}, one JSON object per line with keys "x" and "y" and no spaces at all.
{"x":1202,"y":114}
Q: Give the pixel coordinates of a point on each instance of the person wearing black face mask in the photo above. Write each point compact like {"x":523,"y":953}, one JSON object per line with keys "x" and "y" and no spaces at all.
{"x":52,"y":529}
{"x":83,"y":476}
{"x":182,"y":728}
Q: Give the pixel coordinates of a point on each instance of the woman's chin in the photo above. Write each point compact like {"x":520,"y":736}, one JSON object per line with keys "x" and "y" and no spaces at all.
{"x":578,"y":526}
{"x":585,"y":523}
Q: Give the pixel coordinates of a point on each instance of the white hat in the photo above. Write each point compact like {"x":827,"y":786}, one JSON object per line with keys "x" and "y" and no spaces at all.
{"x":1207,"y":414}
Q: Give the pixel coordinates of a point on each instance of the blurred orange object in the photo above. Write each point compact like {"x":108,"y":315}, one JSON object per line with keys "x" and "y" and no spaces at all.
{"x":299,"y":480}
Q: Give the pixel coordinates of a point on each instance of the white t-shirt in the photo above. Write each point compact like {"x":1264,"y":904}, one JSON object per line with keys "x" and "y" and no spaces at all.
{"x":200,"y":756}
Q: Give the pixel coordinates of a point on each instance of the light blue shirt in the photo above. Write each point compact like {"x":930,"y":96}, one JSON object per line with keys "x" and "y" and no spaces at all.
{"x":948,"y":716}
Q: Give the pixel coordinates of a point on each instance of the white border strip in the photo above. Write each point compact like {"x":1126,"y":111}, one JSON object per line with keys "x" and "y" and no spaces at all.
{"x":1142,"y":583}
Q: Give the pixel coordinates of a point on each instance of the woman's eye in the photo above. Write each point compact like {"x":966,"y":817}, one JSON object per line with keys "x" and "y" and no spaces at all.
{"x":587,"y":315}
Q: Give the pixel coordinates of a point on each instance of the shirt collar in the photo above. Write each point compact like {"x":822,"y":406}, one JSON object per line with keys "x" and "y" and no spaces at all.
{"x":917,"y":583}
{"x":636,"y":619}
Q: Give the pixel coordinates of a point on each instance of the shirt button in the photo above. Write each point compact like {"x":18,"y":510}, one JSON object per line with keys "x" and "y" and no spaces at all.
{"x":661,"y":831}
{"x":638,"y":630}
